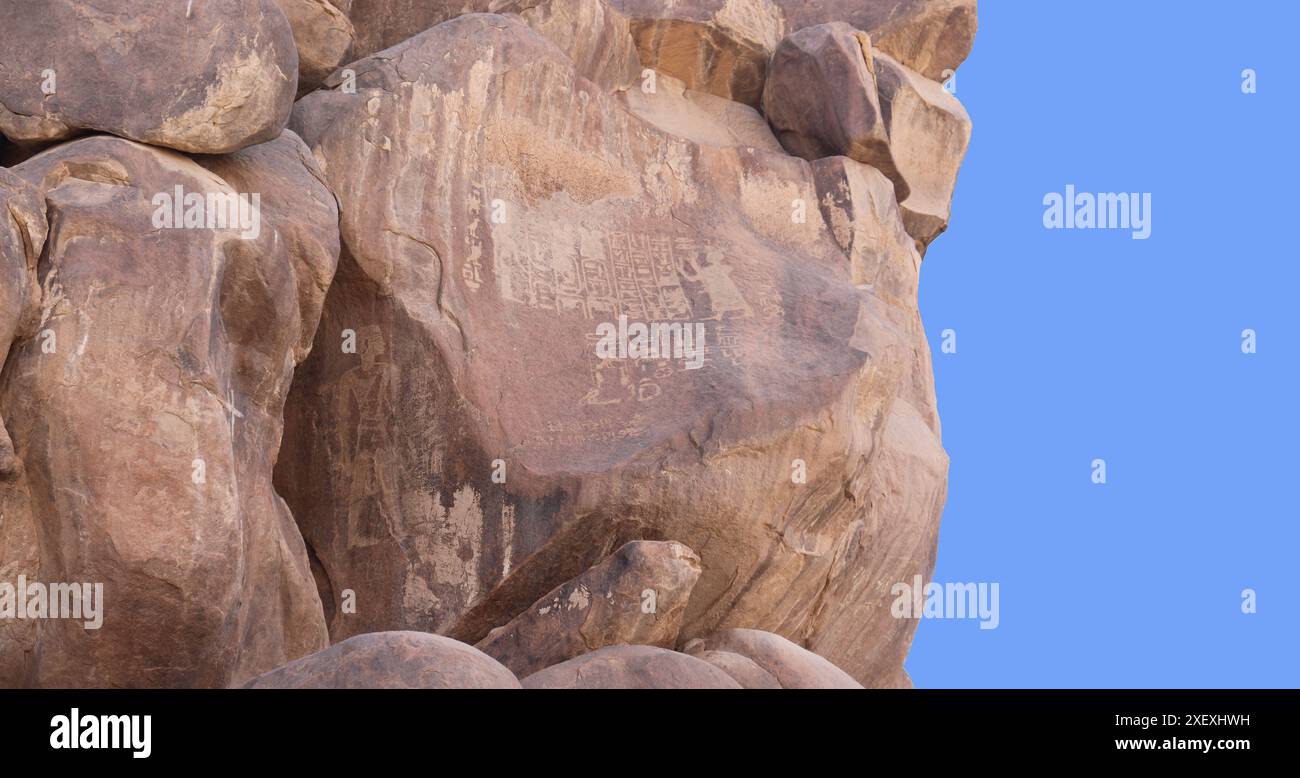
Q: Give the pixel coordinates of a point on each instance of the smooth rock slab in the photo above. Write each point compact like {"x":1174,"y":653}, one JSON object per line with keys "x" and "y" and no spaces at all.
{"x":631,"y":667}
{"x":216,"y":80}
{"x":391,"y":660}
{"x":791,"y":665}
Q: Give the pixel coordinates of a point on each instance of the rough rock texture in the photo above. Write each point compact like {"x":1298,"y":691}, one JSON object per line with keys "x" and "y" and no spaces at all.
{"x":930,"y":36}
{"x":391,"y":660}
{"x":636,"y":596}
{"x":323,"y":35}
{"x":821,"y":99}
{"x":595,"y":37}
{"x":631,"y":667}
{"x":22,"y":236}
{"x":742,"y":669}
{"x":147,"y":413}
{"x":793,"y":667}
{"x":474,"y":274}
{"x":211,"y":77}
{"x":700,"y":117}
{"x":929,"y":131}
{"x":717,"y":46}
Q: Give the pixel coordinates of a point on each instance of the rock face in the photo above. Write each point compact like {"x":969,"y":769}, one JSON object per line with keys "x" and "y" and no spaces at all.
{"x":391,"y":660}
{"x":147,"y":413}
{"x":631,"y":667}
{"x":323,"y":35}
{"x":637,"y":596}
{"x":792,"y":667}
{"x":821,"y":99}
{"x":716,"y":46}
{"x":930,"y":36}
{"x":476,"y":274}
{"x":533,"y":333}
{"x":210,"y":77}
{"x":595,"y":37}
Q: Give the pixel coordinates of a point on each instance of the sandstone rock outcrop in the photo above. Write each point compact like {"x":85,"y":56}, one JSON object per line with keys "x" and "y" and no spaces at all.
{"x":631,"y":667}
{"x":742,"y":669}
{"x":636,"y":596}
{"x":323,"y":35}
{"x":208,"y":77}
{"x":821,"y":99}
{"x":930,"y":36}
{"x":793,"y":667}
{"x":391,"y":660}
{"x":489,"y":258}
{"x":147,"y":415}
{"x":700,"y":117}
{"x":22,"y":236}
{"x":721,"y":47}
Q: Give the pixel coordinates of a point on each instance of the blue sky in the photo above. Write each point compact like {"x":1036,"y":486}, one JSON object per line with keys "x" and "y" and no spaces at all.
{"x":1074,"y":345}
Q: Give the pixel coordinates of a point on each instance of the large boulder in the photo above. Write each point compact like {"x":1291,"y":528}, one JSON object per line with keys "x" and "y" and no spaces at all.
{"x":699,"y":116}
{"x":636,"y":596}
{"x":323,"y":35}
{"x":930,"y":36}
{"x":208,"y":77}
{"x":717,"y":46}
{"x":502,"y":218}
{"x":929,"y":131}
{"x":742,"y":669}
{"x":147,"y":412}
{"x":821,"y":99}
{"x":792,"y":666}
{"x":391,"y":660}
{"x":631,"y":667}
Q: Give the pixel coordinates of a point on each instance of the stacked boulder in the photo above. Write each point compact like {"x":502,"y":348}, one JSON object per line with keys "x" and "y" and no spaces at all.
{"x":304,"y":309}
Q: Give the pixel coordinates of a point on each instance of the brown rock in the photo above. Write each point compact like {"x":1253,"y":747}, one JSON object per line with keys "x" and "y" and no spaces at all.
{"x":700,"y":117}
{"x":931,"y":36}
{"x":717,"y":46}
{"x":595,"y":37}
{"x":929,"y":132}
{"x":391,"y":660}
{"x":149,"y":428}
{"x":636,"y":596}
{"x":22,"y":236}
{"x":323,"y":35}
{"x":821,"y":99}
{"x":742,"y":669}
{"x":631,"y":667}
{"x":792,"y":666}
{"x":476,"y":270}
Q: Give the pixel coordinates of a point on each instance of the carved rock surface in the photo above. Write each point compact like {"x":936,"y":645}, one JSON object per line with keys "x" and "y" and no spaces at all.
{"x":717,"y":46}
{"x":631,"y":667}
{"x":930,"y":36}
{"x":792,"y":666}
{"x":391,"y":660}
{"x":701,"y":117}
{"x":636,"y":596}
{"x":496,"y":209}
{"x":929,"y":131}
{"x":22,"y":236}
{"x":147,"y":414}
{"x":323,"y":35}
{"x":821,"y":99}
{"x":208,"y":77}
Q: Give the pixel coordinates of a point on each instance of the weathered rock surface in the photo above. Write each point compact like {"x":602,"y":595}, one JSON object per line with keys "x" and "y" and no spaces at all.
{"x":636,"y":596}
{"x":742,"y":669}
{"x":792,"y":666}
{"x":930,"y":36}
{"x":595,"y":37}
{"x":22,"y":236}
{"x":391,"y":660}
{"x":210,"y":77}
{"x":147,"y":413}
{"x":323,"y":35}
{"x":716,"y":46}
{"x":631,"y":667}
{"x":495,"y":208}
{"x":700,"y":117}
{"x":821,"y":99}
{"x":929,"y":131}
